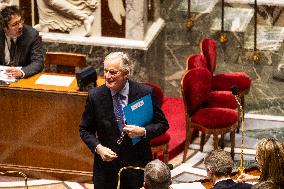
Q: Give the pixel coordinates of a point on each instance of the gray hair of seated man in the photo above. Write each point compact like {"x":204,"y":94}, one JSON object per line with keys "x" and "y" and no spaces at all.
{"x":157,"y":175}
{"x":125,"y":64}
{"x":219,"y":162}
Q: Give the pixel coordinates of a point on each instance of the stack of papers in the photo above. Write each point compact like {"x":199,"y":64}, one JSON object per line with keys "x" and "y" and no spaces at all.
{"x":56,"y":80}
{"x":5,"y":77}
{"x":194,"y":185}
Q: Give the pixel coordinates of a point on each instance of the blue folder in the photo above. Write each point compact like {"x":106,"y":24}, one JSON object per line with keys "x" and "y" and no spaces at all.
{"x":139,"y":113}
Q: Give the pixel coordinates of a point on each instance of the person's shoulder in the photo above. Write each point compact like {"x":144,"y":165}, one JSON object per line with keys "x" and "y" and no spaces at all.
{"x":231,"y":184}
{"x":96,"y":91}
{"x":30,"y":31}
{"x":242,"y":186}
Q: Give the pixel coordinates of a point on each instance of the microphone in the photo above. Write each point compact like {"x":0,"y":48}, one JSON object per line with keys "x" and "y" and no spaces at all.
{"x":235,"y":89}
{"x":235,"y":92}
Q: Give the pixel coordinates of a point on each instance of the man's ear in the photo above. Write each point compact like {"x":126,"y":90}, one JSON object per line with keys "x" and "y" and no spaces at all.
{"x":126,"y":74}
{"x":209,"y":172}
{"x":5,"y":29}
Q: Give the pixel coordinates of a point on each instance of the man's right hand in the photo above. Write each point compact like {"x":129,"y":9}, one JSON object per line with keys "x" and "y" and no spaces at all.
{"x":106,"y":153}
{"x":247,"y":178}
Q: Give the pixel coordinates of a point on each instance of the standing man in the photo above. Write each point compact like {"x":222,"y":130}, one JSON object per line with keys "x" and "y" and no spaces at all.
{"x":20,"y":44}
{"x":100,"y":126}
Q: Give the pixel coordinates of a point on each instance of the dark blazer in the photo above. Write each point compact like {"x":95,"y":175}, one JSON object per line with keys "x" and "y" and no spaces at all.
{"x":99,"y":118}
{"x":230,"y":184}
{"x":29,"y":51}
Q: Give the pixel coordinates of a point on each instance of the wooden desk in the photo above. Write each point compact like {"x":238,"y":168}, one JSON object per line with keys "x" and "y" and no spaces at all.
{"x":40,"y":131}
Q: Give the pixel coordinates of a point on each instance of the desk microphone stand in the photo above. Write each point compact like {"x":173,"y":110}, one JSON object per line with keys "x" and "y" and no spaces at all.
{"x":235,"y":92}
{"x":241,"y":167}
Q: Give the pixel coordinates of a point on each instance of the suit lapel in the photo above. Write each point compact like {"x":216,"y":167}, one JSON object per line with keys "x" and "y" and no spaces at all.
{"x":18,"y":52}
{"x":107,"y":104}
{"x":107,"y":98}
{"x":2,"y":48}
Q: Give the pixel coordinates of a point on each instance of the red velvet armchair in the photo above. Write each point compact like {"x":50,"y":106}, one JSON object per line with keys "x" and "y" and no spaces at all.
{"x":211,"y":112}
{"x":224,"y":81}
{"x":160,"y":143}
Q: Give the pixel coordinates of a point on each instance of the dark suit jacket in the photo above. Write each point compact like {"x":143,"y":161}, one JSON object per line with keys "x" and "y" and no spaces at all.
{"x":230,"y":184}
{"x":29,"y":51}
{"x":99,"y":118}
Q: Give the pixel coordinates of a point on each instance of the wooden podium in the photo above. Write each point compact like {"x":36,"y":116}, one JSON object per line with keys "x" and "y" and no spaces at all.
{"x":40,"y":130}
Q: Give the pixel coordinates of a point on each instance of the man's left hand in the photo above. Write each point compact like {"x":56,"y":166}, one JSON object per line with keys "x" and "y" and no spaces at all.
{"x":14,"y":72}
{"x":134,"y":131}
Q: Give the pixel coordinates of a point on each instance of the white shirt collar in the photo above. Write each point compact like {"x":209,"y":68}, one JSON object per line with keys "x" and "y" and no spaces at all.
{"x":124,"y":91}
{"x":9,"y":38}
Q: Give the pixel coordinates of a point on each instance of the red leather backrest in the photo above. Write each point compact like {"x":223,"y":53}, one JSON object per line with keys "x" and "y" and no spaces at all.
{"x":195,"y":61}
{"x":209,"y":50}
{"x":196,"y":85}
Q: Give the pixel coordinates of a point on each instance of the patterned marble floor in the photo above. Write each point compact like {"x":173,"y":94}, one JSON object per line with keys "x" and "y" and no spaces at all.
{"x":256,"y":127}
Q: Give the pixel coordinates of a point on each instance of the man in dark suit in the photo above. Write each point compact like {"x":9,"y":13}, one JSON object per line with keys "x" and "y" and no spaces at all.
{"x":20,"y":45}
{"x":99,"y":127}
{"x":219,"y":165}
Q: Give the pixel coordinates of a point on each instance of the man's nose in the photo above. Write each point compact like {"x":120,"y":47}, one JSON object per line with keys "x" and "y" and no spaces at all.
{"x":107,"y":75}
{"x":21,"y":25}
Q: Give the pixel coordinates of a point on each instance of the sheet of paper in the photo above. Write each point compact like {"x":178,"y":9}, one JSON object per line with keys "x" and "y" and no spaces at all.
{"x":195,"y":185}
{"x":64,"y":81}
{"x":5,"y":77}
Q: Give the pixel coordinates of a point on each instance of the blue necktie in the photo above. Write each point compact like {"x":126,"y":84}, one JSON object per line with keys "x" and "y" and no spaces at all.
{"x":118,"y":111}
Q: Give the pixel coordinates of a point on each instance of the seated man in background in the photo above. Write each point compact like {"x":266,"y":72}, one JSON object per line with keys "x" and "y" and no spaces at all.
{"x":20,"y":44}
{"x":219,"y":165}
{"x":157,"y":175}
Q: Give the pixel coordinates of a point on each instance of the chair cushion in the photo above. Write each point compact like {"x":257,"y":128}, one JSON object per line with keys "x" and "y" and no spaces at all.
{"x":215,"y":118}
{"x":160,"y":140}
{"x":196,"y":84}
{"x":195,"y":61}
{"x":222,"y":99}
{"x":209,"y":50}
{"x":226,"y":80}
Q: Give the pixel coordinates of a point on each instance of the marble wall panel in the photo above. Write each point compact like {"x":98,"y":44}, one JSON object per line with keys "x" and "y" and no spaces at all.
{"x":148,"y":63}
{"x":266,"y":94}
{"x":136,"y":19}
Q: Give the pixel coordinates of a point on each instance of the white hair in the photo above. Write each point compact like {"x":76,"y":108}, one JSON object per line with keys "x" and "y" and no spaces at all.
{"x":125,"y":64}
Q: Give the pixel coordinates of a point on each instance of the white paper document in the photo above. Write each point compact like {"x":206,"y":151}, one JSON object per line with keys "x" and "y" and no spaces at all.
{"x":5,"y":77}
{"x":64,"y":81}
{"x":194,"y":185}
